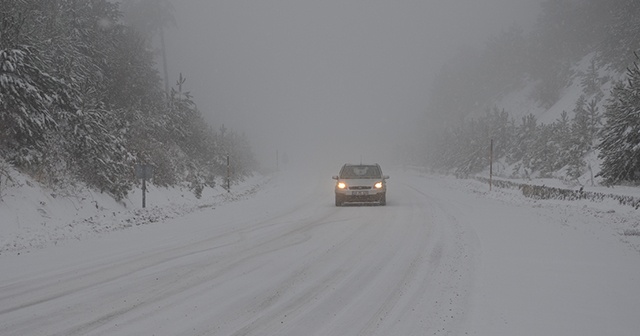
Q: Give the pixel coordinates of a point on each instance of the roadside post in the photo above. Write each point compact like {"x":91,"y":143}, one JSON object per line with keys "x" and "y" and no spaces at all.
{"x":144,"y":172}
{"x":490,"y":164}
{"x":228,"y":174}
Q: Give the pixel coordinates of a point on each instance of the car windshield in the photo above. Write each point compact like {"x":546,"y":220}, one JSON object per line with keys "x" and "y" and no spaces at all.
{"x":360,"y":172}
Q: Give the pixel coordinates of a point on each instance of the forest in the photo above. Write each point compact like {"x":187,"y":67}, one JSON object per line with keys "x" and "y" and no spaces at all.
{"x":593,"y":43}
{"x":82,"y":100}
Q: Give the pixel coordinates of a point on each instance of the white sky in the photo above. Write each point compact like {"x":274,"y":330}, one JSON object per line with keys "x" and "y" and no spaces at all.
{"x":335,"y":79}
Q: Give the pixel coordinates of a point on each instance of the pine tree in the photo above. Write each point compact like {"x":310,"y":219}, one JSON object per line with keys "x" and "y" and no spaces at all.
{"x":500,"y":130}
{"x":594,"y":117}
{"x":581,"y":126}
{"x":591,"y":81}
{"x":98,"y":150}
{"x":580,"y":140}
{"x":620,"y":146}
{"x":544,"y":151}
{"x":151,"y":18}
{"x":561,"y":136}
{"x":621,"y":33}
{"x":30,"y":98}
{"x":80,"y":98}
{"x":522,"y":152}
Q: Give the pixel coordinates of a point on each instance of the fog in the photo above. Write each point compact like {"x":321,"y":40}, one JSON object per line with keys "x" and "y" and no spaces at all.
{"x":325,"y":81}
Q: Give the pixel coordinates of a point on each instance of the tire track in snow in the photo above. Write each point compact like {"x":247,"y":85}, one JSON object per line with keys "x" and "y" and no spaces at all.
{"x":48,"y":288}
{"x":421,"y":286}
{"x":194,"y":278}
{"x":308,"y":269}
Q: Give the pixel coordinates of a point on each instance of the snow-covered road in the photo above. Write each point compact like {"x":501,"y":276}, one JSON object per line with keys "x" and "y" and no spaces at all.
{"x":437,"y":260}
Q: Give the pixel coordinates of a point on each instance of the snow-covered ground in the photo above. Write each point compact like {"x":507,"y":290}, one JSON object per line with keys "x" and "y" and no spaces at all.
{"x":33,"y":217}
{"x":275,"y":257}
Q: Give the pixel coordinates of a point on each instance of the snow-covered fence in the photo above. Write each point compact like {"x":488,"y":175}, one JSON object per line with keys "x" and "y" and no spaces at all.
{"x":544,"y":192}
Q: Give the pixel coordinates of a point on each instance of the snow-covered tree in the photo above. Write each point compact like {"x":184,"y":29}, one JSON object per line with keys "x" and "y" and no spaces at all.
{"x":80,"y":98}
{"x":522,"y":152}
{"x":595,"y":120}
{"x":620,"y":146}
{"x":621,"y":31}
{"x":544,"y":151}
{"x":98,"y":151}
{"x":591,"y":81}
{"x":581,"y":126}
{"x":30,"y":98}
{"x":501,"y":130}
{"x":565,"y":33}
{"x":561,"y":136}
{"x":580,"y":137}
{"x":150,"y":18}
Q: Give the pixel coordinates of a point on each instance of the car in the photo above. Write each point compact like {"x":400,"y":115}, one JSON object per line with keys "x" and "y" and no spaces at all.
{"x":361,"y":183}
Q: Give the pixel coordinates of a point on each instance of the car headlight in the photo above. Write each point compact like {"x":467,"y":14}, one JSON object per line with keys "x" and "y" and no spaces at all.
{"x":342,"y":185}
{"x":378,"y":185}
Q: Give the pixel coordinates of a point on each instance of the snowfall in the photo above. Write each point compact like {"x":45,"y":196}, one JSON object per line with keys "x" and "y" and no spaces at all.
{"x":275,"y":256}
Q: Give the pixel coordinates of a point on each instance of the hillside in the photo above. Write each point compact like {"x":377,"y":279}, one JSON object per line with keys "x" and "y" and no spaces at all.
{"x":520,"y":102}
{"x":559,"y":101}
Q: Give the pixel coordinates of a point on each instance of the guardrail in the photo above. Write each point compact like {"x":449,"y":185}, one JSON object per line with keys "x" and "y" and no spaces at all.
{"x":544,"y":192}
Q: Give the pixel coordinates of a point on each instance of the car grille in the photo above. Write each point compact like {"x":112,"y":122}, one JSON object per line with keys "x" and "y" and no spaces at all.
{"x":360,"y":188}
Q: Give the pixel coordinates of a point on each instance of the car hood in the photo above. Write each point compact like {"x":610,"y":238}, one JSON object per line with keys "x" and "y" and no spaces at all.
{"x":361,"y":182}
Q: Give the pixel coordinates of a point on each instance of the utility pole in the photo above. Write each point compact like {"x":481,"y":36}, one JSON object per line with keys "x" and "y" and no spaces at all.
{"x":228,"y":174}
{"x":490,"y":164}
{"x":144,"y":192}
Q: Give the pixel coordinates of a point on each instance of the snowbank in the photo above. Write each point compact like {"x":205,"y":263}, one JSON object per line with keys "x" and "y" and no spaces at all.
{"x":34,"y":216}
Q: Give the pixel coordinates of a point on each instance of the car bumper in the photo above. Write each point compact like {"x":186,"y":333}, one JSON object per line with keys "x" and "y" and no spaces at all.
{"x":360,"y":196}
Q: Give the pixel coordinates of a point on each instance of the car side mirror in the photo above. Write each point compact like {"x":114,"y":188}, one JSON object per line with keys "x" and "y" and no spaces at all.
{"x":335,"y":177}
{"x":384,"y":177}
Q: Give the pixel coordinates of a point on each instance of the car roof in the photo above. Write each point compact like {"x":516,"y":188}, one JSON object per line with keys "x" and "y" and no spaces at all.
{"x":361,"y":165}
